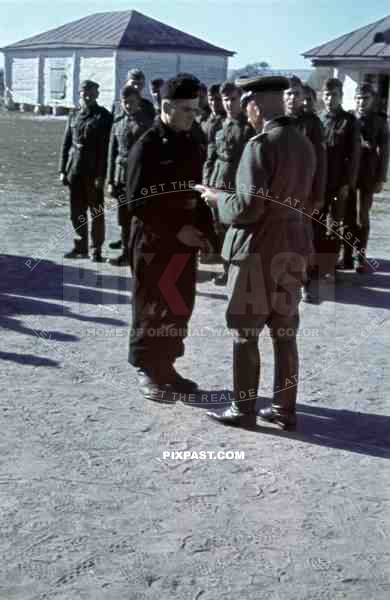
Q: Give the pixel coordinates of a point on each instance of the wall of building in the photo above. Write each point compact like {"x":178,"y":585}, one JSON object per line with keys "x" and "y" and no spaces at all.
{"x":98,"y":65}
{"x":22,"y":71}
{"x":209,"y":69}
{"x":353,"y":75}
{"x":153,"y":64}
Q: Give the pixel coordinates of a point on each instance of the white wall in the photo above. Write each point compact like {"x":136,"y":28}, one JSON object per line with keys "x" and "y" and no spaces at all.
{"x":209,"y":69}
{"x":99,"y":65}
{"x":23,"y":76}
{"x":153,"y":64}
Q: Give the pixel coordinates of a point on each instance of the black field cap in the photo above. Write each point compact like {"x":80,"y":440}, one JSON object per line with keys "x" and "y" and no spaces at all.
{"x":332,"y":84}
{"x":364,"y":88}
{"x":269,"y":83}
{"x":136,"y":74}
{"x":180,"y":88}
{"x":88,"y":84}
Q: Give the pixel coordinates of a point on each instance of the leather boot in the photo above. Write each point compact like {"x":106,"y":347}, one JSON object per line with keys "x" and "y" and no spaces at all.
{"x":282,"y":410}
{"x":246,"y":375}
{"x":80,"y":250}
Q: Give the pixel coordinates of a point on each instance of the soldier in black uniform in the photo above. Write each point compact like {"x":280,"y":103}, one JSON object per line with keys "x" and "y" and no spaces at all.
{"x":310,"y":125}
{"x":127,"y":128}
{"x":373,"y":167}
{"x":170,"y":222}
{"x":83,"y":168}
{"x":224,"y":153}
{"x":342,"y":138}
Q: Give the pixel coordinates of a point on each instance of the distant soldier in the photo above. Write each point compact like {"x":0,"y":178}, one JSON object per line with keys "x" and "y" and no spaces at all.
{"x":127,"y":128}
{"x":155,"y":91}
{"x":170,"y":222}
{"x":217,"y":113}
{"x":309,"y":103}
{"x":373,"y":167}
{"x":267,"y":246}
{"x":310,"y":125}
{"x":136,"y":79}
{"x":342,"y":138}
{"x":224,"y":153}
{"x":204,"y":108}
{"x":83,"y":168}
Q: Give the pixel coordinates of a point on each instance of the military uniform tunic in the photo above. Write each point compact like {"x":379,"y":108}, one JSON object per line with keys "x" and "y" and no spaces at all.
{"x":83,"y":160}
{"x":163,"y":167}
{"x":125,"y":132}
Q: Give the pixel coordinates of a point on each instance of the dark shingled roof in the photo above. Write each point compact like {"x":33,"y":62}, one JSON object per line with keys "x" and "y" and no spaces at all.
{"x":121,"y":29}
{"x":361,"y":43}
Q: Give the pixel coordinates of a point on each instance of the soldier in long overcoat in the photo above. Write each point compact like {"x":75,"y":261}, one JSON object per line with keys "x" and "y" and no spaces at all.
{"x":266,"y":245}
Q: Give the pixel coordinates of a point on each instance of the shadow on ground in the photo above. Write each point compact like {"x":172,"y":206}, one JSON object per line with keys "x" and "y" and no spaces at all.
{"x":47,"y":290}
{"x":362,"y":433}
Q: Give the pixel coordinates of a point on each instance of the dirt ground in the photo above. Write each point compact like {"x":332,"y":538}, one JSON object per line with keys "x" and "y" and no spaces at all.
{"x":91,"y":510}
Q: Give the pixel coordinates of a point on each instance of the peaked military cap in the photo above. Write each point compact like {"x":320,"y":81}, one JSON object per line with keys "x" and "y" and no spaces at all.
{"x":88,"y":84}
{"x":260,"y":83}
{"x":180,"y":88}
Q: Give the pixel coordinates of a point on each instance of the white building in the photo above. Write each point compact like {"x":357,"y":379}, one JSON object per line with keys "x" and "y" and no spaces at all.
{"x":47,"y":69}
{"x":362,"y":55}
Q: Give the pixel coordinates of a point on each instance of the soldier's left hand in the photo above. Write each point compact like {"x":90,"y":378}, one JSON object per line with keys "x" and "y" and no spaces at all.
{"x":379,"y":187}
{"x":99,"y":183}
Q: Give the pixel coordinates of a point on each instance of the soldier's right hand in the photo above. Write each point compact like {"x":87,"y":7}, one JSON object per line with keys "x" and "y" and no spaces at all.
{"x":190,"y":236}
{"x":64,"y":179}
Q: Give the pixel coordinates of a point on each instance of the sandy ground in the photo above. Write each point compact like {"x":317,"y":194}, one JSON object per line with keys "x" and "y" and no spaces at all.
{"x":90,"y":509}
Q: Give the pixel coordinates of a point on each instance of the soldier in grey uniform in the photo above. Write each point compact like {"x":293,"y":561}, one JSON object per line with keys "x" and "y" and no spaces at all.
{"x":224,"y":152}
{"x":215,"y":118}
{"x":136,"y":79}
{"x":126,"y":129}
{"x":373,"y":167}
{"x":83,"y":167}
{"x":267,"y":245}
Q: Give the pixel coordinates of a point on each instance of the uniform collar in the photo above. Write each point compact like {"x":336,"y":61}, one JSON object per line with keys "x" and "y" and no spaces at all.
{"x":281,"y":121}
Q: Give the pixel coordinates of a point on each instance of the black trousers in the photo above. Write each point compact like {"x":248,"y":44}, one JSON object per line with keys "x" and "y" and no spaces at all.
{"x":162,"y":304}
{"x":84,"y":196}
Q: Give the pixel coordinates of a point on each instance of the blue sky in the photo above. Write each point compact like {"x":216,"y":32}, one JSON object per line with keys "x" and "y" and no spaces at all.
{"x":257,"y":30}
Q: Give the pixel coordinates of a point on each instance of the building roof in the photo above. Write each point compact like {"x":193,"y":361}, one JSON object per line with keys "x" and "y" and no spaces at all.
{"x":120,"y":29}
{"x":371,"y":41}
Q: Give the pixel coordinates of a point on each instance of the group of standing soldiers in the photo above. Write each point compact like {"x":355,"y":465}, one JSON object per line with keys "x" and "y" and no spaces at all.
{"x":232,"y":140}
